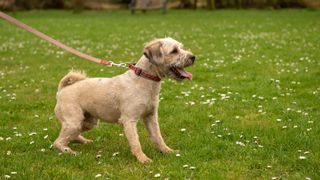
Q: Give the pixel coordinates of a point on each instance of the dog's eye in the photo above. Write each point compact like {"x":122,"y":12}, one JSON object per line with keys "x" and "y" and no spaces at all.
{"x":174,"y":51}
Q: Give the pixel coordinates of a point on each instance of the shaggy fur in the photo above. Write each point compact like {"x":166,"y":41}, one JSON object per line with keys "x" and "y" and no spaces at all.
{"x":122,"y":99}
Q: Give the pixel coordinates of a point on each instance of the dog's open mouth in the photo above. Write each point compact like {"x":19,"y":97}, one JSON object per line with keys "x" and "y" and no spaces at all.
{"x":180,"y":73}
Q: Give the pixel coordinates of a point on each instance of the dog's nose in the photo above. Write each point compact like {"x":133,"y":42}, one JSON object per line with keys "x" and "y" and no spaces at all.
{"x":193,"y":58}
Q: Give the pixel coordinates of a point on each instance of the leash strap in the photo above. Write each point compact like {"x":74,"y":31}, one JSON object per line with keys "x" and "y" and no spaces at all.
{"x":57,"y":43}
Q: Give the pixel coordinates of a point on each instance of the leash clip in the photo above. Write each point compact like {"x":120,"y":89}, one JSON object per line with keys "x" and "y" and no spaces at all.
{"x":124,"y":65}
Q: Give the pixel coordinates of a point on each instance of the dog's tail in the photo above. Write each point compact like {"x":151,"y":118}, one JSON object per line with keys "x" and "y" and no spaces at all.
{"x":71,"y":78}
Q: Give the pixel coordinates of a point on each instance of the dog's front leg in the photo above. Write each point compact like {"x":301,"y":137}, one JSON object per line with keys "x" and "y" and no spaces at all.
{"x":153,"y":128}
{"x":130,"y":130}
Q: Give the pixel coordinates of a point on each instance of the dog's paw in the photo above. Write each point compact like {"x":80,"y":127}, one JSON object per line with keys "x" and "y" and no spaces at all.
{"x":144,"y":159}
{"x":70,"y":151}
{"x":83,"y":140}
{"x":167,"y":150}
{"x":87,"y":141}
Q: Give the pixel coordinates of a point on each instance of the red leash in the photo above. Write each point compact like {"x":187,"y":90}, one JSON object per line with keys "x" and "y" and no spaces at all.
{"x":57,"y":43}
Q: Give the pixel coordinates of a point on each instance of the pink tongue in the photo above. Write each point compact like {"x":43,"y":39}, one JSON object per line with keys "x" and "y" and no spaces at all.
{"x":185,"y":74}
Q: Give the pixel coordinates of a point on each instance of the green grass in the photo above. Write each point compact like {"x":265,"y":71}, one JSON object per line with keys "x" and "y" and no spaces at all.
{"x":253,"y":67}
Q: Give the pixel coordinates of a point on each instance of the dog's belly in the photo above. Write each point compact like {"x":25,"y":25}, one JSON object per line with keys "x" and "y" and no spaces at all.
{"x":105,"y":108}
{"x":104,"y":112}
{"x":110,"y":114}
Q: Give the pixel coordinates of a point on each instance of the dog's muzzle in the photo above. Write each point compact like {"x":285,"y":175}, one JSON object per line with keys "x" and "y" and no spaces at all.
{"x":180,"y":73}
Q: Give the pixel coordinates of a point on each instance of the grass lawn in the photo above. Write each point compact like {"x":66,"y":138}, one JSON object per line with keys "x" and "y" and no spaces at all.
{"x":251,"y":112}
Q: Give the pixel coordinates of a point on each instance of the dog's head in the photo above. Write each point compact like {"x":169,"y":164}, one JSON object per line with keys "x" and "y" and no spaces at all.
{"x":169,"y":58}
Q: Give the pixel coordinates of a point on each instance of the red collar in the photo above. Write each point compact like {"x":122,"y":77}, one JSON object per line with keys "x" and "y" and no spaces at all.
{"x":140,"y":72}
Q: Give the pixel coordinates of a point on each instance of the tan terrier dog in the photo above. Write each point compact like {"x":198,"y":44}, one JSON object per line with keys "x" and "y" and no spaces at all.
{"x":122,"y":99}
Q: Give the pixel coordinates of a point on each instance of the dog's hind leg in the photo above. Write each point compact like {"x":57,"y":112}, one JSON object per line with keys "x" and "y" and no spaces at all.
{"x":88,"y":123}
{"x":71,"y":118}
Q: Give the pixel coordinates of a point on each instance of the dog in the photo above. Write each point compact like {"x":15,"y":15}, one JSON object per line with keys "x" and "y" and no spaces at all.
{"x":123,"y":99}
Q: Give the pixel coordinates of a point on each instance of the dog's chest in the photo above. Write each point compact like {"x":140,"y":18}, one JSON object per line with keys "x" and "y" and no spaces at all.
{"x":148,"y":99}
{"x":146,"y":102}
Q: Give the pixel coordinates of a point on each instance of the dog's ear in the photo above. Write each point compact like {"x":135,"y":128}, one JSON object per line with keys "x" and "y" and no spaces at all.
{"x":153,"y":51}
